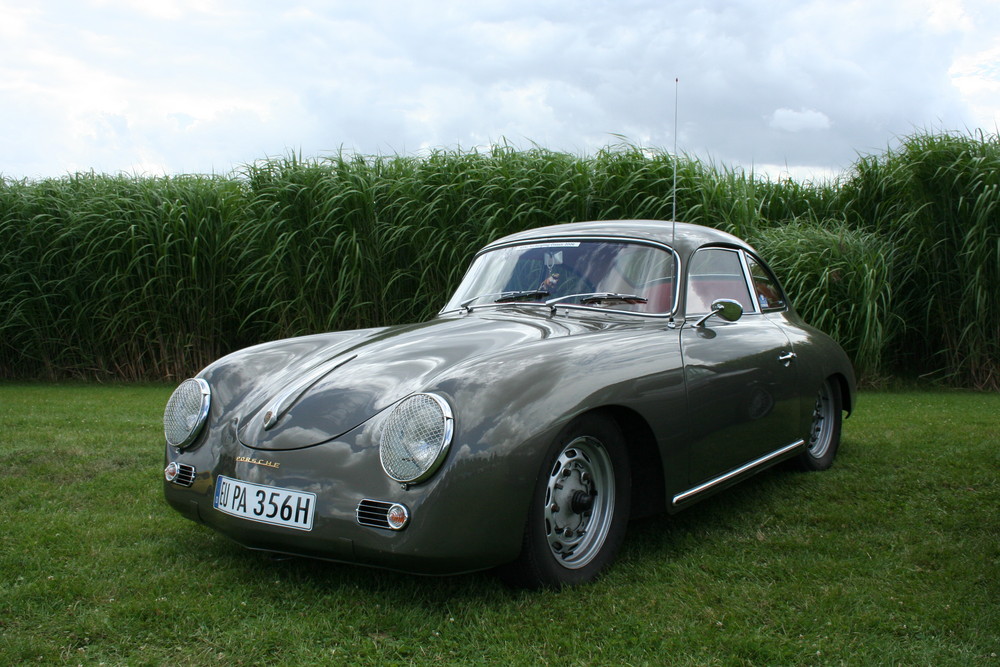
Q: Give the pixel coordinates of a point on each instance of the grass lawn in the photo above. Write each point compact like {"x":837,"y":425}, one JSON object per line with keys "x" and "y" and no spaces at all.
{"x":891,"y":557}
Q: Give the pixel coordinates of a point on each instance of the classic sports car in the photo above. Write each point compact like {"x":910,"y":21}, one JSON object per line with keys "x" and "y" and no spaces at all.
{"x":581,"y":374}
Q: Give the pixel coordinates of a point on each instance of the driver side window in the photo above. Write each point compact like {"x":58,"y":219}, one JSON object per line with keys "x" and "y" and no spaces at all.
{"x":716,"y":273}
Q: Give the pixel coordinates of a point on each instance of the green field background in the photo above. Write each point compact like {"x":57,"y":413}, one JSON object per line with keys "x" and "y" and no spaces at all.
{"x":125,"y":277}
{"x":889,"y":558}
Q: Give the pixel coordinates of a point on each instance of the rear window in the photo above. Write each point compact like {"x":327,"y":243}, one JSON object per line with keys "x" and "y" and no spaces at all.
{"x":768,"y":292}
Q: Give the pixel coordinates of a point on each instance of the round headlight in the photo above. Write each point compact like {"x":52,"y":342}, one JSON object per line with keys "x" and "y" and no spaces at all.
{"x":415,"y":438}
{"x":186,"y":412}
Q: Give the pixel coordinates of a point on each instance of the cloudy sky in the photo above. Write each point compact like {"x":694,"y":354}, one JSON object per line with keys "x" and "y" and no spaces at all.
{"x":784,"y":87}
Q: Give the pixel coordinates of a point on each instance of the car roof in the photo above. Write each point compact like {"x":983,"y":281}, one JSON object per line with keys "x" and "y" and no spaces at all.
{"x":684,"y":237}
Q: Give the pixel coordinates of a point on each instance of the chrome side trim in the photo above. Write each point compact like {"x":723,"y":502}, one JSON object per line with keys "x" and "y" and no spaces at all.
{"x":681,"y":497}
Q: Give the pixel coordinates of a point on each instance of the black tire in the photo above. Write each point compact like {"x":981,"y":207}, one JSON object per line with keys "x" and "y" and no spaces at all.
{"x":824,"y":431}
{"x":579,"y":509}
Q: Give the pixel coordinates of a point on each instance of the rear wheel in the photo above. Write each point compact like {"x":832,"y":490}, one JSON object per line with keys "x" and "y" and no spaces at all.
{"x":824,"y":431}
{"x":579,"y":510}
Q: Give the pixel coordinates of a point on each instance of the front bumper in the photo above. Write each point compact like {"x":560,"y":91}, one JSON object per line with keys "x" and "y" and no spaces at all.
{"x":468,"y":517}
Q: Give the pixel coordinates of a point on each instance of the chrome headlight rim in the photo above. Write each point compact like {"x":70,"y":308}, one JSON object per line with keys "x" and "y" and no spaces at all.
{"x":388,"y":429}
{"x":200,"y":415}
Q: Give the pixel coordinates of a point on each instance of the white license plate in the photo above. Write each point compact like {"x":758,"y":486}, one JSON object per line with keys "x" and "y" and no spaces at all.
{"x":267,"y":504}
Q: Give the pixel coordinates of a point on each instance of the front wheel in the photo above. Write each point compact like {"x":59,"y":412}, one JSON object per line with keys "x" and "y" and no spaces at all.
{"x":579,"y":510}
{"x":824,"y":431}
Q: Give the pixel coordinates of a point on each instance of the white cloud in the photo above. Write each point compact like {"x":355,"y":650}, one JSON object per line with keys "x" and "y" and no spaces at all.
{"x":789,"y":120}
{"x":975,"y":70}
{"x":187,"y":85}
{"x":948,"y":15}
{"x":170,"y":10}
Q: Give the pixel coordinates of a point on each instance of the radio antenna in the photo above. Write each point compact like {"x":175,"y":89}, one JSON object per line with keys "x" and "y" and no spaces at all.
{"x":673,"y":194}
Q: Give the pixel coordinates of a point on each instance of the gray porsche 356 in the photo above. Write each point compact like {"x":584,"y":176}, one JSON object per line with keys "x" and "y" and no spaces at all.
{"x":581,"y":374}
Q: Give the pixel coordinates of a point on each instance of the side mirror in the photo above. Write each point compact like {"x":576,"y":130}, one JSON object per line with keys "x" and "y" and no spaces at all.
{"x":728,"y":309}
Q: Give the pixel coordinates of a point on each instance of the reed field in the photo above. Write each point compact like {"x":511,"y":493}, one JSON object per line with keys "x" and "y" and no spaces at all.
{"x":122,"y":277}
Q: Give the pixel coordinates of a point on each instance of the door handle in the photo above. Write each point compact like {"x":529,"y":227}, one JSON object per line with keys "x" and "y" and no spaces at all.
{"x":786,"y":358}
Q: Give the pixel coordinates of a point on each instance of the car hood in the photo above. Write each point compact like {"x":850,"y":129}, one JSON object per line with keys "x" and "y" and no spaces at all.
{"x":310,"y":390}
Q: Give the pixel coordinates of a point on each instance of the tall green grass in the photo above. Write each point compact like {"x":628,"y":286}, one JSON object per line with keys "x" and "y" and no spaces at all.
{"x":117,"y":276}
{"x":129,"y":277}
{"x":937,"y":201}
{"x":840,"y":280}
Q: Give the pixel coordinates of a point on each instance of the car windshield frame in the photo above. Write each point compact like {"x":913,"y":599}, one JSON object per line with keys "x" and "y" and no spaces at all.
{"x":480,"y":290}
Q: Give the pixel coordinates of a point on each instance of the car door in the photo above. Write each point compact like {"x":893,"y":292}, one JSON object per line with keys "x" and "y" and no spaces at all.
{"x":739,"y":376}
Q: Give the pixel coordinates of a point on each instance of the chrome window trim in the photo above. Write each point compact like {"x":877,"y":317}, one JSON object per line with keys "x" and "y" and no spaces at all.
{"x":746,"y":279}
{"x":573,"y":238}
{"x":774,"y":278}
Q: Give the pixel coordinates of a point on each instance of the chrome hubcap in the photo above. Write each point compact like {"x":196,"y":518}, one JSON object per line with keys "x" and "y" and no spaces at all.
{"x":821,"y":433}
{"x":579,"y":502}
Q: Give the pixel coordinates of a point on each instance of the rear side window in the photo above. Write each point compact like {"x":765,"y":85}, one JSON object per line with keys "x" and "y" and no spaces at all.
{"x":716,"y":273}
{"x":768,"y":294}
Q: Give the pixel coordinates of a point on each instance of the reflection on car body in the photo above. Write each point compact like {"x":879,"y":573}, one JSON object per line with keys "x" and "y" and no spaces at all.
{"x":580,"y":375}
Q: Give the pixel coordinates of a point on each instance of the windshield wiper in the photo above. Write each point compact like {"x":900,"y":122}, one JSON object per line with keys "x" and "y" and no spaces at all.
{"x":505,"y":297}
{"x":588,"y":298}
{"x":617,"y":298}
{"x":523,"y":294}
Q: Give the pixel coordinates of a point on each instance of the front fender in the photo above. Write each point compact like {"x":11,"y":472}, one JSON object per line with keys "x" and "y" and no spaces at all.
{"x":509,"y":409}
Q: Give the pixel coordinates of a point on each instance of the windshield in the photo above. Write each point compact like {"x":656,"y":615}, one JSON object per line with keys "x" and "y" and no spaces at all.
{"x":615,"y":275}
